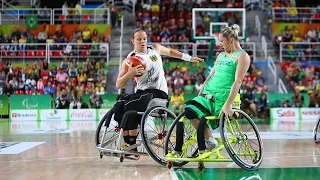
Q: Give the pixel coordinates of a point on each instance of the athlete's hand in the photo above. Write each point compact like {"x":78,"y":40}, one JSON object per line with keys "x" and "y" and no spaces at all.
{"x":135,"y":71}
{"x":196,"y":59}
{"x":227,"y":110}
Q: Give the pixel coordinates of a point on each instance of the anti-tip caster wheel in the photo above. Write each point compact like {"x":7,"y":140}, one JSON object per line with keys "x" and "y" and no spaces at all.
{"x":101,"y":155}
{"x":169,"y":164}
{"x":121,"y":158}
{"x":201,"y":166}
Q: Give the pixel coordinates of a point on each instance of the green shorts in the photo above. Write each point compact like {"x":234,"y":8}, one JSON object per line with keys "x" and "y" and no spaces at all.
{"x":212,"y":108}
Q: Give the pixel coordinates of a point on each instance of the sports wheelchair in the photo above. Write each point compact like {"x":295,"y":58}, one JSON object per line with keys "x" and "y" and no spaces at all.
{"x":316,"y":131}
{"x":153,"y":129}
{"x":239,"y":138}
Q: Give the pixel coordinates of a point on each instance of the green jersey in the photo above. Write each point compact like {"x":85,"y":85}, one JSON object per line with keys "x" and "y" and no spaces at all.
{"x":224,"y":75}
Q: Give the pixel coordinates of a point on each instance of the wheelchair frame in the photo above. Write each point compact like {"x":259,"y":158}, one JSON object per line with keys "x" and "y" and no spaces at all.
{"x":316,"y":131}
{"x":154,"y":104}
{"x":224,"y":143}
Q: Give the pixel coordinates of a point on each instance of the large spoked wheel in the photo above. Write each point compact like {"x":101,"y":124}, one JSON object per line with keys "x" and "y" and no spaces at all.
{"x":154,"y":128}
{"x":316,"y":132}
{"x":190,"y":145}
{"x":108,"y":134}
{"x":242,"y":140}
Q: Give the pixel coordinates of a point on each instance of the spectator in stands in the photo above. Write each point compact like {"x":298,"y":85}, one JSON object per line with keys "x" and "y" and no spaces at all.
{"x":113,"y":16}
{"x":284,"y":103}
{"x":78,"y":13}
{"x":62,"y":76}
{"x":14,"y":83}
{"x":73,"y":72}
{"x":62,"y":101}
{"x":22,"y":43}
{"x":49,"y":89}
{"x":189,"y":88}
{"x":249,"y":101}
{"x":76,"y":100}
{"x":14,"y":47}
{"x":3,"y":78}
{"x":15,"y":33}
{"x":31,"y":83}
{"x":86,"y":35}
{"x":40,"y":86}
{"x":42,"y":36}
{"x":262,"y":103}
{"x":7,"y":89}
{"x":315,"y":99}
{"x":297,"y":99}
{"x":95,"y":100}
{"x":177,"y":101}
{"x":65,"y":10}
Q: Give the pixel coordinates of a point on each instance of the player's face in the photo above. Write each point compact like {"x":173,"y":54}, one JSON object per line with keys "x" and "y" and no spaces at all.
{"x":224,"y":43}
{"x":140,"y":41}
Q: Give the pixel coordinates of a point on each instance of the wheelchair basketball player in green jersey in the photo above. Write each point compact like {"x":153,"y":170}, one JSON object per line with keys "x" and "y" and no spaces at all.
{"x":219,"y":93}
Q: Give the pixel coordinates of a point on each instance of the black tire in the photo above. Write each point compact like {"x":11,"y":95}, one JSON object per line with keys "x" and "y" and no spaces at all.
{"x":316,"y":132}
{"x":101,"y":128}
{"x":231,"y":149}
{"x":167,"y":148}
{"x":158,"y":157}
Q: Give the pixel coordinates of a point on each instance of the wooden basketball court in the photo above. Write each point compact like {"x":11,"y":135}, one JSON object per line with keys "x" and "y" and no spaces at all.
{"x":66,"y":150}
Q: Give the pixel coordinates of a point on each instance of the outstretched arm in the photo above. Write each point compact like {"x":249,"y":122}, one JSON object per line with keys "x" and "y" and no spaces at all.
{"x":175,"y":53}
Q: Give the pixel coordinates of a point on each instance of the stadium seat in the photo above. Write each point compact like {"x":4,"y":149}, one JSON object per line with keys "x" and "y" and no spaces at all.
{"x":85,"y":17}
{"x":62,"y":17}
{"x":58,"y":53}
{"x":40,"y":54}
{"x":30,"y":53}
{"x":84,"y":53}
{"x":21,"y":54}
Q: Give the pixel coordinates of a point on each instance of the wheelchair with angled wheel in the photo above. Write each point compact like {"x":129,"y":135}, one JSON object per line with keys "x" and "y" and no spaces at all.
{"x":239,"y":138}
{"x":153,"y":129}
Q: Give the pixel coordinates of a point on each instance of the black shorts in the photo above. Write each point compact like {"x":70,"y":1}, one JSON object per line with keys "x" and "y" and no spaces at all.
{"x":138,"y":102}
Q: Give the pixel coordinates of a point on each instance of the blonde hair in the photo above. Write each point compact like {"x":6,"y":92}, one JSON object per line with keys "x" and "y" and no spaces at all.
{"x":231,"y":32}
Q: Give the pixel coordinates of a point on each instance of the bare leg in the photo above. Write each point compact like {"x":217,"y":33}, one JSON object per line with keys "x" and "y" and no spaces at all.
{"x":207,"y":132}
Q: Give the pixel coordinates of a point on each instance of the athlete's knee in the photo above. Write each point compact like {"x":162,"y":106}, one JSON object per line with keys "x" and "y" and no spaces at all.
{"x":190,"y":114}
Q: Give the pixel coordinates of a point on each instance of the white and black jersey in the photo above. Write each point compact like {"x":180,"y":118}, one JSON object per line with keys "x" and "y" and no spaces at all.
{"x":153,"y":77}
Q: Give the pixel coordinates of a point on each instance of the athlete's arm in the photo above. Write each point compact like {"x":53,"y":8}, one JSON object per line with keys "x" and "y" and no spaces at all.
{"x":175,"y":53}
{"x":242,"y":68}
{"x":125,"y":76}
{"x":211,"y":74}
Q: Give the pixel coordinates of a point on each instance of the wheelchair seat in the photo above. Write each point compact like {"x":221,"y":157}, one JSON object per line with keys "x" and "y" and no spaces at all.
{"x":157,"y":102}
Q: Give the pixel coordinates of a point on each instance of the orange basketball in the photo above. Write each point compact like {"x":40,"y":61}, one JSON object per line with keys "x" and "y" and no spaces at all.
{"x":135,"y":61}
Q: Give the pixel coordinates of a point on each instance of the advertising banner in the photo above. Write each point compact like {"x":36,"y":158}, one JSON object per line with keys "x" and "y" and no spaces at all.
{"x":4,"y":105}
{"x":82,"y":114}
{"x":284,"y":113}
{"x":53,"y":114}
{"x":30,"y":102}
{"x":23,"y":115}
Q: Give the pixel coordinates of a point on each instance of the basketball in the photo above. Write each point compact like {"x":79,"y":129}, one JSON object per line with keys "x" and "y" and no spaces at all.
{"x":135,"y":61}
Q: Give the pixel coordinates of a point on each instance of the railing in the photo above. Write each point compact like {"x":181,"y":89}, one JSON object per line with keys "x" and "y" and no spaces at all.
{"x":201,"y":49}
{"x":297,"y":15}
{"x":54,"y":51}
{"x":273,"y":68}
{"x":43,"y":15}
{"x":264,"y":47}
{"x":79,"y":51}
{"x":85,"y":16}
{"x":127,"y":5}
{"x":258,"y":25}
{"x":252,"y":4}
{"x":281,"y":87}
{"x":302,"y":50}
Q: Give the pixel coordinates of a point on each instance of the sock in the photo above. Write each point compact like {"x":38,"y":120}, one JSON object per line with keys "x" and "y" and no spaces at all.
{"x":133,"y":142}
{"x":126,"y":139}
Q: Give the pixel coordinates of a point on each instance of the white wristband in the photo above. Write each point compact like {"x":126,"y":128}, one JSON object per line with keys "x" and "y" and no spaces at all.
{"x":186,"y":57}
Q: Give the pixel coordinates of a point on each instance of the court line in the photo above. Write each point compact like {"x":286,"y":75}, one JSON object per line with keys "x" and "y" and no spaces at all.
{"x":51,"y":159}
{"x":173,"y":174}
{"x":290,"y":157}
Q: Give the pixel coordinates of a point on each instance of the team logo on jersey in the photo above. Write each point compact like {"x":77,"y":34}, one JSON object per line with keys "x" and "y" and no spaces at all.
{"x":153,"y":58}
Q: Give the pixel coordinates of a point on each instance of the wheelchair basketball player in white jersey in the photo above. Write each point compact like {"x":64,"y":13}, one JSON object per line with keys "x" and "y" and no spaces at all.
{"x":151,"y":82}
